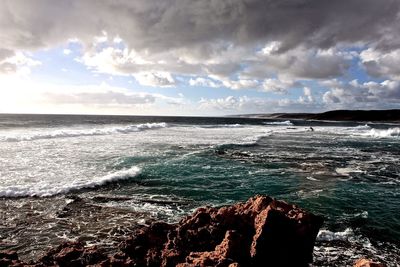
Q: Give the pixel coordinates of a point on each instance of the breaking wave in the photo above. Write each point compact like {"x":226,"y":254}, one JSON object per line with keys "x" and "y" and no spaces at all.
{"x":326,"y":235}
{"x":68,"y":132}
{"x":363,"y":127}
{"x":286,"y":123}
{"x":50,"y":188}
{"x":220,"y":126}
{"x":391,"y":132}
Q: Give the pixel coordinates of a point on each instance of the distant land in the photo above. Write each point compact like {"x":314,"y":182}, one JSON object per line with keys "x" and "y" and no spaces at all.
{"x":391,"y":115}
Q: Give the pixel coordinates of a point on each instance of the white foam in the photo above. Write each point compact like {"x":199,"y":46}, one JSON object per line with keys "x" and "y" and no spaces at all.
{"x":208,"y":126}
{"x":360,"y":131}
{"x":154,"y":125}
{"x":71,"y":132}
{"x":391,"y":132}
{"x":288,"y":123}
{"x":346,"y":171}
{"x":233,"y":125}
{"x":363,"y":127}
{"x":308,"y":194}
{"x":49,"y":188}
{"x":252,"y":140}
{"x":311,"y":178}
{"x":358,"y":246}
{"x":169,"y":208}
{"x":326,"y":235}
{"x":363,"y":214}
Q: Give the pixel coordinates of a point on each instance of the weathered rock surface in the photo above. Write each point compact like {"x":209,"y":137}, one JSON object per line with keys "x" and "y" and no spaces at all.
{"x":367,"y":263}
{"x":260,"y":232}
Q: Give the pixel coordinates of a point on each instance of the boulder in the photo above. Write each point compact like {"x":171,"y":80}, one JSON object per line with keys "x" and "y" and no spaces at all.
{"x":259,"y":232}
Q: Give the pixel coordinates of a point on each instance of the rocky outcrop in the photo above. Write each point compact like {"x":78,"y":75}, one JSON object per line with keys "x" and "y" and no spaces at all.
{"x":259,"y":232}
{"x":72,"y":254}
{"x":8,"y":258}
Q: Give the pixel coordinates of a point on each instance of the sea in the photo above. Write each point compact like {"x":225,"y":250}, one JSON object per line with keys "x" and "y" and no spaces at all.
{"x":95,"y":179}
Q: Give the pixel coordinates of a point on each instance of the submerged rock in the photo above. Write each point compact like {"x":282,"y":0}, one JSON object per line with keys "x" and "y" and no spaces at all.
{"x":259,"y":232}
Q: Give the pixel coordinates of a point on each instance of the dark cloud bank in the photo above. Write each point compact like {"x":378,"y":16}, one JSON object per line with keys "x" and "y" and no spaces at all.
{"x":161,"y":25}
{"x":268,"y":45}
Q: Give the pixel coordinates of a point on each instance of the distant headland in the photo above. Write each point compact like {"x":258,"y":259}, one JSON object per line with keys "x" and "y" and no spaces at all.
{"x":392,"y":115}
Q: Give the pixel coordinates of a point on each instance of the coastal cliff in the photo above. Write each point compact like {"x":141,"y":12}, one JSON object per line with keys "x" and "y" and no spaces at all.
{"x":260,"y":232}
{"x":392,"y":115}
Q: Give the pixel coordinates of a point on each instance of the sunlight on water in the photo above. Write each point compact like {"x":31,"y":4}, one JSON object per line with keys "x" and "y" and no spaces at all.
{"x":128,"y":171}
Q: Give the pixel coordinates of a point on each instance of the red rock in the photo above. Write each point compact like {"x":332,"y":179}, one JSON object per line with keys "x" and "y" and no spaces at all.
{"x":254,"y":233}
{"x":8,"y":254}
{"x":259,"y":232}
{"x":72,"y":254}
{"x":9,"y":258}
{"x":367,"y":263}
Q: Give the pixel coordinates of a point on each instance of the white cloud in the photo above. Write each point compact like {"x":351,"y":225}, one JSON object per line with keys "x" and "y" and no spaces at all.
{"x":117,"y":40}
{"x":277,"y":86}
{"x":67,"y":51}
{"x":241,"y":83}
{"x":299,"y":63}
{"x":16,"y":63}
{"x":228,"y":103}
{"x":383,"y":64}
{"x":203,"y":82}
{"x":124,"y":62}
{"x":106,"y":60}
{"x":271,"y":48}
{"x":334,"y":96}
{"x":31,"y":97}
{"x":253,"y":105}
{"x":307,"y":97}
{"x":161,"y":79}
{"x":222,"y":63}
{"x":364,"y":95}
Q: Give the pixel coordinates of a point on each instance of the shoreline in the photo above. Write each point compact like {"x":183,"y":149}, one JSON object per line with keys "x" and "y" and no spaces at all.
{"x":260,"y":232}
{"x":333,"y":172}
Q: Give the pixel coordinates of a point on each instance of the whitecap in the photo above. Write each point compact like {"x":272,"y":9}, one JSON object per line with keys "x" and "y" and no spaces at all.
{"x":346,"y":171}
{"x":326,"y":235}
{"x":74,"y":132}
{"x":46,"y":189}
{"x":288,"y":123}
{"x":363,"y":214}
{"x":307,"y":194}
{"x":363,"y":127}
{"x":391,"y":132}
{"x":210,"y":126}
{"x":311,"y":178}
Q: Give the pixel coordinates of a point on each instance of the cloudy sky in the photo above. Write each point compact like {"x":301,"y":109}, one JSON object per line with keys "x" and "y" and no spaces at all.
{"x":198,"y":57}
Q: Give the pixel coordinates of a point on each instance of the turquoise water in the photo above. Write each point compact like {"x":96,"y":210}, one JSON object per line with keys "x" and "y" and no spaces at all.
{"x":126,"y":171}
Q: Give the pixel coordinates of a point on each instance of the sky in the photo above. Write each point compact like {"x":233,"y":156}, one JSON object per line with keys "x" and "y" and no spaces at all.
{"x":198,"y":57}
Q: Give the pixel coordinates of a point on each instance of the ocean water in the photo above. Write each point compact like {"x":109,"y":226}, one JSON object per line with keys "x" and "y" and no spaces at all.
{"x":95,"y":178}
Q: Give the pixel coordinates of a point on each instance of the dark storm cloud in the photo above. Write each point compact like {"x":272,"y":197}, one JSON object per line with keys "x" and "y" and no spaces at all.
{"x":166,"y":24}
{"x":266,"y":45}
{"x":5,"y":53}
